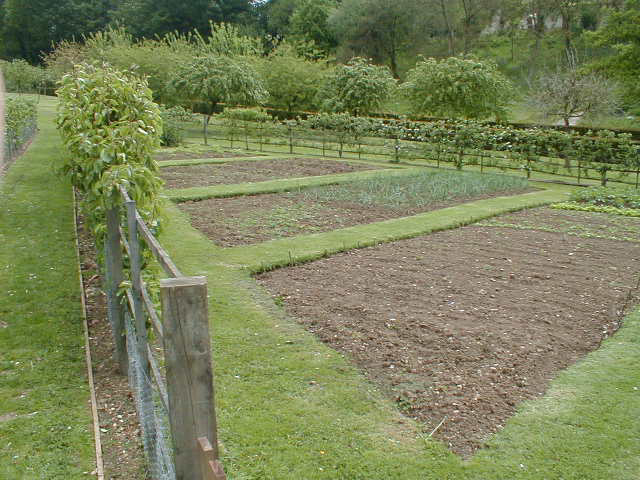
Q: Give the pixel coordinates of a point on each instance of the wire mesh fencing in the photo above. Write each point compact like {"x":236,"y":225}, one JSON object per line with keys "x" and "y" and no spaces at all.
{"x":174,"y":392}
{"x":152,"y":416}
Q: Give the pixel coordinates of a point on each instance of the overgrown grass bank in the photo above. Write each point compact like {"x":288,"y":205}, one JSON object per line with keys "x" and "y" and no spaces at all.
{"x":45,"y":419}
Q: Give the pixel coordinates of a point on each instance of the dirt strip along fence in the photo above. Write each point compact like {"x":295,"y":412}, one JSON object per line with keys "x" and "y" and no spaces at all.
{"x":170,"y":369}
{"x":283,"y":138}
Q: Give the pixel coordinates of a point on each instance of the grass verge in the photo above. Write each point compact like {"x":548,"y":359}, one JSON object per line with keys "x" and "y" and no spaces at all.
{"x":45,"y":421}
{"x":286,"y":251}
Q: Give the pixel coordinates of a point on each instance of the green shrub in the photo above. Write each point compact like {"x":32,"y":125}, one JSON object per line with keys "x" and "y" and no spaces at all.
{"x":247,"y":115}
{"x":173,"y":130}
{"x":20,"y":77}
{"x":20,"y":124}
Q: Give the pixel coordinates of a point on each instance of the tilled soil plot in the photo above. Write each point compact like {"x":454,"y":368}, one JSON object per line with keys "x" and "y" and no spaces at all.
{"x":461,"y":326}
{"x":235,"y":221}
{"x":254,"y":171}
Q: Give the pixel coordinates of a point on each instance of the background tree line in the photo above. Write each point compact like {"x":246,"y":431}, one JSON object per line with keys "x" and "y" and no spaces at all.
{"x":526,"y":39}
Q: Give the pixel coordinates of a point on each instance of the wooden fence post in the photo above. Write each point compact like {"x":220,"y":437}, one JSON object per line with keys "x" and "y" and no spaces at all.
{"x":114,"y":277}
{"x":187,"y":347}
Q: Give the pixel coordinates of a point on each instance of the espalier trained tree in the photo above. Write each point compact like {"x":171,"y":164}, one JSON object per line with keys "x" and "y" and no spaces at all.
{"x":110,"y":127}
{"x":458,"y":88}
{"x":211,"y":79}
{"x":359,"y":87}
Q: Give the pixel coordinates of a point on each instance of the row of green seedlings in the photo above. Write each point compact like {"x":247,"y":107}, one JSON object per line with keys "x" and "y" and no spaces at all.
{"x":458,"y":142}
{"x":21,"y":120}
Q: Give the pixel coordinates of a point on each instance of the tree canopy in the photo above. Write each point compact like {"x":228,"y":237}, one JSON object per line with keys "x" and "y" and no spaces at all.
{"x":358,"y":87}
{"x":212,"y":79}
{"x":458,"y":87}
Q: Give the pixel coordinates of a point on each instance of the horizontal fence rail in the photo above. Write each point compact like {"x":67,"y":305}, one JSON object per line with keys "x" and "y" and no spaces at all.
{"x":283,"y":138}
{"x":172,"y":379}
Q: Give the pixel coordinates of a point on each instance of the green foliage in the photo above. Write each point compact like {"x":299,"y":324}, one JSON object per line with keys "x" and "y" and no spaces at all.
{"x":309,"y":24}
{"x":20,"y":120}
{"x":291,"y":80}
{"x":581,"y":207}
{"x":110,"y":127}
{"x":419,"y":189}
{"x":212,"y":79}
{"x":458,"y":87}
{"x":173,"y":130}
{"x":247,"y":115}
{"x":147,"y":18}
{"x":359,"y":87}
{"x":382,"y":30}
{"x":227,"y":39}
{"x":21,"y":77}
{"x":621,"y":34}
{"x":33,"y":27}
{"x":607,"y":196}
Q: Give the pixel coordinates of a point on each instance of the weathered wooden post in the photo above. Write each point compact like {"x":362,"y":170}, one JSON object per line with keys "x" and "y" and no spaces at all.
{"x":113,"y":278}
{"x":189,"y":373}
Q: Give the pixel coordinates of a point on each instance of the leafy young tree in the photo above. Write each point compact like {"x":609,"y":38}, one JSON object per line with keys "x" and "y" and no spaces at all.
{"x":358,"y":87}
{"x":292,"y":81}
{"x":212,"y":79}
{"x":458,"y":87}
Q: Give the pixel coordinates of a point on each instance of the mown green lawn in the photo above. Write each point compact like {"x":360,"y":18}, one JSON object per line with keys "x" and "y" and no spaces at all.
{"x":45,"y":417}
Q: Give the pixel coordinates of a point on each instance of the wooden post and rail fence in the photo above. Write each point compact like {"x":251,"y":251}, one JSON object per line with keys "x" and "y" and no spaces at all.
{"x":186,"y":390}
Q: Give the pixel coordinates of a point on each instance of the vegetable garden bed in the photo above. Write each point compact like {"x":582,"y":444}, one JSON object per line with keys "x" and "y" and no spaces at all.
{"x":254,"y":171}
{"x":461,"y":326}
{"x":251,"y":219}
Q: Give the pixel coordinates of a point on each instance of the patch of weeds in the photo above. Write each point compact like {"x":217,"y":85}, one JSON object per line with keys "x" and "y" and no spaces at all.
{"x":619,"y":197}
{"x":280,"y":220}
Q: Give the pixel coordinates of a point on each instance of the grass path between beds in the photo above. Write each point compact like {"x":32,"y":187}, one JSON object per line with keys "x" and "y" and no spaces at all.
{"x":45,"y":418}
{"x":291,"y":408}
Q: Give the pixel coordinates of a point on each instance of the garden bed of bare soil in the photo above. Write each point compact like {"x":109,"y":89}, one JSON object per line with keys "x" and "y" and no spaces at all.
{"x":178,"y":155}
{"x":122,"y":451}
{"x":461,"y":326}
{"x":246,"y":220}
{"x":254,"y":171}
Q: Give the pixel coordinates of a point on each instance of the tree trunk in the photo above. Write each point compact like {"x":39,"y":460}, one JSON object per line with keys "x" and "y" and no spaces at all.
{"x":448,"y":25}
{"x":205,"y":126}
{"x":566,"y":28}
